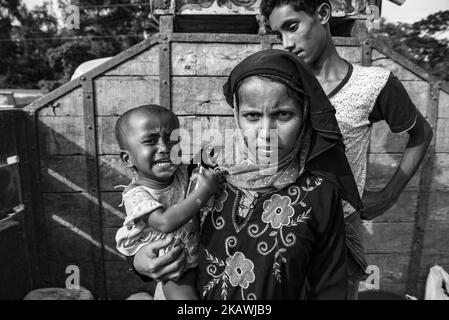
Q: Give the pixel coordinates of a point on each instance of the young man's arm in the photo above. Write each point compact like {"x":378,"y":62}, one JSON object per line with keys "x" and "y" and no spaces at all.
{"x":396,"y":106}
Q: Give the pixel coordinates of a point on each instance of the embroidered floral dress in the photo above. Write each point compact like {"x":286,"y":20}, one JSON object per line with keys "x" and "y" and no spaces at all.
{"x":289,"y":244}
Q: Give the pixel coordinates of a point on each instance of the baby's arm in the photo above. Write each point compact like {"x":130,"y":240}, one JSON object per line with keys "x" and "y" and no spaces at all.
{"x":176,"y":216}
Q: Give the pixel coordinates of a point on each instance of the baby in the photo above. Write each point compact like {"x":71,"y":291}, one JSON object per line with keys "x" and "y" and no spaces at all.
{"x":155,"y":202}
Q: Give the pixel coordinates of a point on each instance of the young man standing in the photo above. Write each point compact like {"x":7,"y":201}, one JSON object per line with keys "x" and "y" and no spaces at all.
{"x":361,"y":96}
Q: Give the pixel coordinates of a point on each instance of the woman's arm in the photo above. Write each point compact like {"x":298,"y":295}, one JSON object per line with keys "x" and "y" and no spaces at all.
{"x":327,"y":274}
{"x":149,"y":266}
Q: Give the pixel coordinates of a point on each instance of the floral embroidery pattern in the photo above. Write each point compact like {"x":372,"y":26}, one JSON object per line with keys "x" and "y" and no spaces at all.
{"x":277,"y":211}
{"x":240,"y":270}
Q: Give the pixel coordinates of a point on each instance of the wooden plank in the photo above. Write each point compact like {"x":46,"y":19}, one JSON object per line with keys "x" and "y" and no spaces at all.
{"x":436,"y":240}
{"x":116,"y":60}
{"x":113,"y":213}
{"x":440,"y":178}
{"x":39,"y":223}
{"x":93,"y":184}
{"x":69,"y":104}
{"x":114,"y":95}
{"x":381,"y":60}
{"x":107,"y":143}
{"x":199,"y":95}
{"x":59,"y":92}
{"x":220,"y":38}
{"x":8,"y":145}
{"x":122,"y":282}
{"x":61,"y":135}
{"x":202,"y":59}
{"x":109,"y":241}
{"x":439,"y":206}
{"x":347,"y":41}
{"x":396,"y":57}
{"x":366,"y":53}
{"x":70,"y":244}
{"x":388,"y":237}
{"x":144,"y":64}
{"x":15,"y":275}
{"x":419,"y":93}
{"x":381,"y":168}
{"x":442,"y":136}
{"x":30,"y":221}
{"x":384,"y":141}
{"x":113,"y":173}
{"x":443,"y":110}
{"x":62,"y":174}
{"x":351,"y":54}
{"x":165,"y":87}
{"x":427,"y":173}
{"x":72,"y":208}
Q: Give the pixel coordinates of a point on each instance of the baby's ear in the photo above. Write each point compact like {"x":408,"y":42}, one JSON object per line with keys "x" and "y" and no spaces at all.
{"x":126,"y":158}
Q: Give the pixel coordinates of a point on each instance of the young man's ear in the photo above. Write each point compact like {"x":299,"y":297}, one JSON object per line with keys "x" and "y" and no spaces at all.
{"x":126,"y":158}
{"x":324,"y":12}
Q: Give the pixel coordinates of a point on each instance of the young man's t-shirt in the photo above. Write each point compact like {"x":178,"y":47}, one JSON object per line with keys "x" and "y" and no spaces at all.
{"x":367,"y":95}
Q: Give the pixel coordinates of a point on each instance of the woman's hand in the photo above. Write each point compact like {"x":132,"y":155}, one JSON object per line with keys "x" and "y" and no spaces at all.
{"x":169,"y":266}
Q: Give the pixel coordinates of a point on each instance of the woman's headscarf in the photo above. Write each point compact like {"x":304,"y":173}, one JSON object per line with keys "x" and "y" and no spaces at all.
{"x":319,"y":148}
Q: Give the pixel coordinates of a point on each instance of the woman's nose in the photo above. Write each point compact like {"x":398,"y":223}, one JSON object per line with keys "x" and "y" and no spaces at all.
{"x":266,"y":126}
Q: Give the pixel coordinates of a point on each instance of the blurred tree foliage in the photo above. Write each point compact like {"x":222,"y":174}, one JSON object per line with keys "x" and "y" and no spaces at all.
{"x":105,"y":29}
{"x":23,"y":63}
{"x":421,"y":42}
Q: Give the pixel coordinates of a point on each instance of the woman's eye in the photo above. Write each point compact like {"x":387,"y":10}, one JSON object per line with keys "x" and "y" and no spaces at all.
{"x":284,"y":115}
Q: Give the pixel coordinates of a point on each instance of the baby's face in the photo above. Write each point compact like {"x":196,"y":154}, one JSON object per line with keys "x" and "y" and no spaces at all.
{"x":269,"y":117}
{"x":149,"y":145}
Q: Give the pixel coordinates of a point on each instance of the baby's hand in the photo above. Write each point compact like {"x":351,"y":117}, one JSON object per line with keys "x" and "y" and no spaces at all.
{"x":210,"y":181}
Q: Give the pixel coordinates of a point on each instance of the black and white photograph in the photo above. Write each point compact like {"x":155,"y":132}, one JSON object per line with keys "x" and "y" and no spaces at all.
{"x":224,"y":150}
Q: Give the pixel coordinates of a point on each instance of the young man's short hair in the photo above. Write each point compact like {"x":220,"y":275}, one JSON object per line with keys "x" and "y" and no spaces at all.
{"x":309,"y":6}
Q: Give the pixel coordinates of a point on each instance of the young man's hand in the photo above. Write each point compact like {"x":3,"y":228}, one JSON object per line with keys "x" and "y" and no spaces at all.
{"x":376,"y":203}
